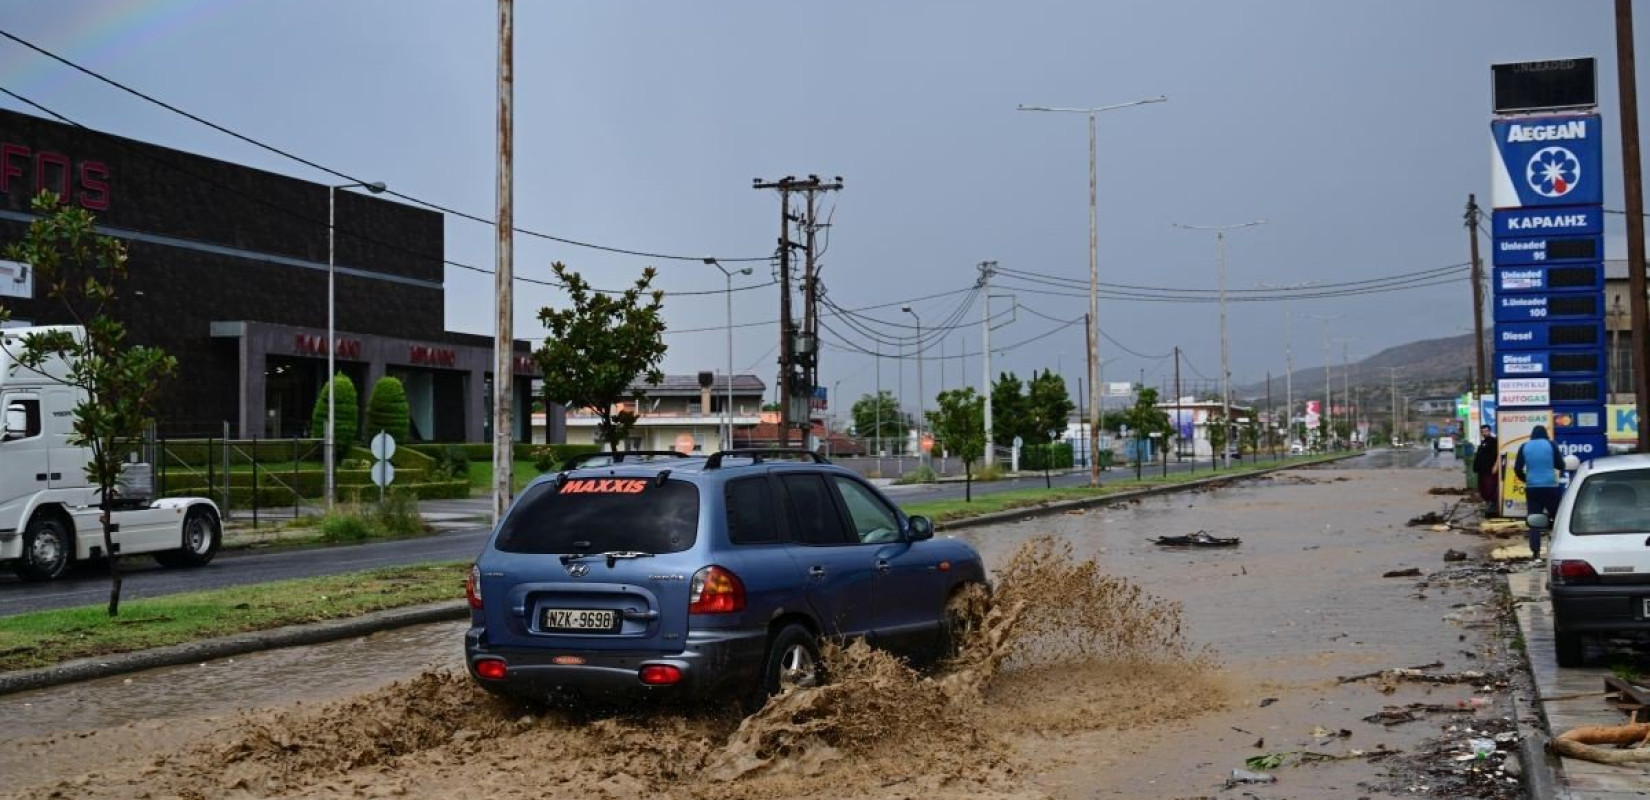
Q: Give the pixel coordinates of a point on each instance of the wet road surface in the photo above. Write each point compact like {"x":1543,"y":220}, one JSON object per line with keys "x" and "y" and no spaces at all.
{"x":1299,"y":603}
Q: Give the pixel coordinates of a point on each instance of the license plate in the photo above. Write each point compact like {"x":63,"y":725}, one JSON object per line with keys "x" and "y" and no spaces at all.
{"x":1647,"y":608}
{"x":579,"y":619}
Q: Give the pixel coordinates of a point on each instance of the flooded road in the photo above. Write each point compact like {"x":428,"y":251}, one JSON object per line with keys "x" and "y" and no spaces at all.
{"x":1301,"y":602}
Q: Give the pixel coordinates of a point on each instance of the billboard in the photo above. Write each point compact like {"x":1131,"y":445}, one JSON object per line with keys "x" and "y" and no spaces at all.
{"x":1547,"y":161}
{"x":1513,"y":427}
{"x":16,"y":280}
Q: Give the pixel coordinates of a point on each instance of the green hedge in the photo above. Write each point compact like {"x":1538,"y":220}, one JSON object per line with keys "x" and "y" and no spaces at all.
{"x":308,"y":483}
{"x":1036,"y":457}
{"x":198,"y":452}
{"x":276,"y":496}
{"x":520,"y":451}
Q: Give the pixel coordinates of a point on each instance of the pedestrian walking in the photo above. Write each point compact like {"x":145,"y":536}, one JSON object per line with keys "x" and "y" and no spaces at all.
{"x":1485,"y":462}
{"x":1537,"y":466}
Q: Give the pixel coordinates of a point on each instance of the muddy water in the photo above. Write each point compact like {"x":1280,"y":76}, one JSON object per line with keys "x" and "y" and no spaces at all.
{"x":1299,"y":603}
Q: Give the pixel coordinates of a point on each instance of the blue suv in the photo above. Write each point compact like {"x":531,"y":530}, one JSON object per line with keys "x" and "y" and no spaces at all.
{"x":704,"y":578}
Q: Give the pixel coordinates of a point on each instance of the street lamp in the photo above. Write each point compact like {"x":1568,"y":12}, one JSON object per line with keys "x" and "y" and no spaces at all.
{"x":922,"y":400}
{"x":376,"y":187}
{"x":1094,"y":275}
{"x":1225,"y":368}
{"x":727,"y":411}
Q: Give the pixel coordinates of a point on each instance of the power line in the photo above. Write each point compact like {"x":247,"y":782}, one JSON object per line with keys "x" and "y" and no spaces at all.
{"x":1400,"y":286}
{"x":173,"y":165}
{"x":339,"y":174}
{"x":1083,"y":284}
{"x":1109,"y":338}
{"x":861,"y":308}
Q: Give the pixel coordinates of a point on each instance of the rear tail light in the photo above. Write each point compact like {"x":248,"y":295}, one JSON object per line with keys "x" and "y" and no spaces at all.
{"x":490,"y":668}
{"x":716,"y":591}
{"x":472,"y":586}
{"x":1573,"y":572}
{"x":661,"y":675}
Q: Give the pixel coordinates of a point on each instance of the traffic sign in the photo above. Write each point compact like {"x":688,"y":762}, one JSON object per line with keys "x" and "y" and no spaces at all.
{"x":383,"y":446}
{"x":383,"y":473}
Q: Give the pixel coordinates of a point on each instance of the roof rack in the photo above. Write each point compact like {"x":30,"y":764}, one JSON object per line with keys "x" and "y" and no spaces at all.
{"x":759,"y":454}
{"x":614,"y":458}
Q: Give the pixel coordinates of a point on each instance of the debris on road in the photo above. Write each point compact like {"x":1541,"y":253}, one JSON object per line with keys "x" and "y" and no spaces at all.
{"x":1378,"y":673}
{"x":1449,"y":490}
{"x":1454,"y":555}
{"x":1198,"y":539}
{"x":1503,"y":527}
{"x":1429,"y":518}
{"x":1243,"y":776}
{"x":1412,"y":572}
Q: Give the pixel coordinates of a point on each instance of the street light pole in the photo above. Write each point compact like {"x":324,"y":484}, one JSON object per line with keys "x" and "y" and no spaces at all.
{"x":1094,"y":272}
{"x":727,"y":410}
{"x":1225,"y":361}
{"x":922,"y":400}
{"x":331,"y":445}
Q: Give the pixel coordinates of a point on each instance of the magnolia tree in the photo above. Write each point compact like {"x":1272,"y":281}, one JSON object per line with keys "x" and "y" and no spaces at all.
{"x":118,"y":382}
{"x":598,"y":346}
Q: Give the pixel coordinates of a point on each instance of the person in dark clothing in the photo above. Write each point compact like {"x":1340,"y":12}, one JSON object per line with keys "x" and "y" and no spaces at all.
{"x":1484,"y":461}
{"x":1537,"y":466}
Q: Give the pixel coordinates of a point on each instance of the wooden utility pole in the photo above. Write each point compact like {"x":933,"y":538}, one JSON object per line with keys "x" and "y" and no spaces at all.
{"x":1478,"y":371}
{"x":798,"y":371}
{"x":1177,"y":411}
{"x":1633,"y":188}
{"x":503,"y":277}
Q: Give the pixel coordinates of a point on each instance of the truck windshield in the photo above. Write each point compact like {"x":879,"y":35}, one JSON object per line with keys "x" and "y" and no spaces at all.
{"x":600,"y":515}
{"x":1612,"y":502}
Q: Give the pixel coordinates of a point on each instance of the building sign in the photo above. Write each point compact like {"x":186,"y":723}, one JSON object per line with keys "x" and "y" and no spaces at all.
{"x":83,"y":183}
{"x":309,"y":345}
{"x":1119,"y":389}
{"x":1544,"y":222}
{"x":1513,"y":392}
{"x":1621,"y":424}
{"x":16,"y":280}
{"x":433,"y":356}
{"x":1579,"y":420}
{"x":525,"y":365}
{"x":1527,"y":307}
{"x":1544,"y":85}
{"x":1523,"y":251}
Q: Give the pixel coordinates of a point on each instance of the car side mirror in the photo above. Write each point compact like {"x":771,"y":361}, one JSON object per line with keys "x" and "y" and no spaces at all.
{"x":1538,"y":522}
{"x":920,"y":528}
{"x":17,"y":422}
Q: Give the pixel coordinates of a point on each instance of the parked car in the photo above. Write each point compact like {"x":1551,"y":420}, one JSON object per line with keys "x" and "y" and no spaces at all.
{"x":704,"y":578}
{"x":1598,"y":564}
{"x":1446,"y":443}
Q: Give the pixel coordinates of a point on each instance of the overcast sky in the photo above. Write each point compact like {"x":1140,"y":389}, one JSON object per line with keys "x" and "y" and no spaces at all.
{"x":1355,"y":129}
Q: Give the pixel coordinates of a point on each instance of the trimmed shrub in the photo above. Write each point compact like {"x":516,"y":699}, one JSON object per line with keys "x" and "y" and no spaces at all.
{"x":387,"y":411}
{"x":1037,"y":456}
{"x":347,"y":416}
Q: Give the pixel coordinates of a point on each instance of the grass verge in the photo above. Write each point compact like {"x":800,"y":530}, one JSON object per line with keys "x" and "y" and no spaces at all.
{"x":49,"y":637}
{"x":952,"y":510}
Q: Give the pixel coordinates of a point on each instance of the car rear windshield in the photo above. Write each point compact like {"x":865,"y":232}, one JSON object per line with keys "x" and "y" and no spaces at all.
{"x":1612,"y":502}
{"x":600,"y":515}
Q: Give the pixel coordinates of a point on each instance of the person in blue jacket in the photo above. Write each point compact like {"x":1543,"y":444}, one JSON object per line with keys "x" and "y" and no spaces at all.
{"x":1537,"y":466}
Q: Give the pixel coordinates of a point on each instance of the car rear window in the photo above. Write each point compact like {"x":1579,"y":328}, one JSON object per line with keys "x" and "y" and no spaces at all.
{"x":1612,"y":502}
{"x":599,"y":515}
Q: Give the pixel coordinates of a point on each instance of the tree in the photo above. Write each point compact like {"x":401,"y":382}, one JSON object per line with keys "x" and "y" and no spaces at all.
{"x":882,"y":409}
{"x":959,"y":424}
{"x":387,"y":410}
{"x":1050,"y":406}
{"x":1144,"y":419}
{"x":599,"y":346}
{"x":118,"y":382}
{"x":1010,"y":411}
{"x":1217,"y":429}
{"x":347,"y":413}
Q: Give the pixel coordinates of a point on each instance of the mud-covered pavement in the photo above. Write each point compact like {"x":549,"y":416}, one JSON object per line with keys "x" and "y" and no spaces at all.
{"x":1083,"y":684}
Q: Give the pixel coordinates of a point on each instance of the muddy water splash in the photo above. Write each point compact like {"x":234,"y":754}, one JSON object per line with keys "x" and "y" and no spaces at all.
{"x":1057,"y":646}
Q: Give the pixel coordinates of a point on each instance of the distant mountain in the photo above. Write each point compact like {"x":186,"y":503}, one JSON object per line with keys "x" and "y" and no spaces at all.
{"x":1425,"y":368}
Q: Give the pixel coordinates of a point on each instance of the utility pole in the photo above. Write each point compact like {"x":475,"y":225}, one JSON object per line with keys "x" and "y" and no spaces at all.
{"x":1094,"y":397}
{"x":1225,"y":361}
{"x":1478,"y":384}
{"x":1392,"y":372}
{"x":1346,"y":386}
{"x":877,"y":446}
{"x":1177,"y":411}
{"x":1633,"y":187}
{"x":986,"y":267}
{"x":504,"y":350}
{"x":783,"y":385}
{"x":798,"y":344}
{"x":1271,"y":417}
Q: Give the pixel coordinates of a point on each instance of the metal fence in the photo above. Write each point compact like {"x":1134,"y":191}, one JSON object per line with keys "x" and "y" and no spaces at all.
{"x":260,"y":478}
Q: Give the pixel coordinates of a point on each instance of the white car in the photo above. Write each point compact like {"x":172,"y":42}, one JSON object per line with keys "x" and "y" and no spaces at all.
{"x":1599,"y":565}
{"x":1446,"y":443}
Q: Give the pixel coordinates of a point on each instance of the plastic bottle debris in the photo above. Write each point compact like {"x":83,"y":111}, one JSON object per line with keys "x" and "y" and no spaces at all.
{"x":1241,"y":776}
{"x":1481,"y":748}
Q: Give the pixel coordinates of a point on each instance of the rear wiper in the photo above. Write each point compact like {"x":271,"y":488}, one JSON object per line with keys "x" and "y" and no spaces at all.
{"x":612,"y":556}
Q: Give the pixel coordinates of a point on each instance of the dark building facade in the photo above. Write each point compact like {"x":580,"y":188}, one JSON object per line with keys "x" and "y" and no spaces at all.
{"x":228,"y":272}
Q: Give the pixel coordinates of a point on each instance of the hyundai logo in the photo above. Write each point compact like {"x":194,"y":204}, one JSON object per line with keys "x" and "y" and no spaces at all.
{"x":578,"y":569}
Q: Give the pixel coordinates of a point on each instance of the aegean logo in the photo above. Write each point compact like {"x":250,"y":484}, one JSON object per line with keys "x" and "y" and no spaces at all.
{"x":1553,"y":171}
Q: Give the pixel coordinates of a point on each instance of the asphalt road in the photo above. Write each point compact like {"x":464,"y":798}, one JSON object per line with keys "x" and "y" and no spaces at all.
{"x":89,"y":584}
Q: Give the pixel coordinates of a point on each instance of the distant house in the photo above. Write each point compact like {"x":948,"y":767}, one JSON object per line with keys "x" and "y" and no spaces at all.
{"x":678,"y":414}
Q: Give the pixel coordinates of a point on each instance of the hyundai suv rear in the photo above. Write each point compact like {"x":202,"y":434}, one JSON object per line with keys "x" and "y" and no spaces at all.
{"x":704,"y":578}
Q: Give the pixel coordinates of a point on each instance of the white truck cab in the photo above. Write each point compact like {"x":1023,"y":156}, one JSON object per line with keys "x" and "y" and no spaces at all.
{"x":49,"y":510}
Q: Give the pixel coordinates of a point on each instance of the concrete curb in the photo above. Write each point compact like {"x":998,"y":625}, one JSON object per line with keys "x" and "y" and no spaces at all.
{"x":1017,"y":514}
{"x":237,"y":644}
{"x":1541,"y":768}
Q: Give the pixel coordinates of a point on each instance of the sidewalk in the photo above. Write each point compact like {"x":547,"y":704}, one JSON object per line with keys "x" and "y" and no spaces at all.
{"x":1570,"y":698}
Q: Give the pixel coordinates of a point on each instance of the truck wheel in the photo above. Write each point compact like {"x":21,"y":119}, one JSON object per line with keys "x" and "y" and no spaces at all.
{"x":202,"y":535}
{"x":47,"y":549}
{"x":1569,"y":649}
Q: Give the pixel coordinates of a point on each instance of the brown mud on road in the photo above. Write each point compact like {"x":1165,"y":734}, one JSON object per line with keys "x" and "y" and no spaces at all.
{"x":1084,"y":678}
